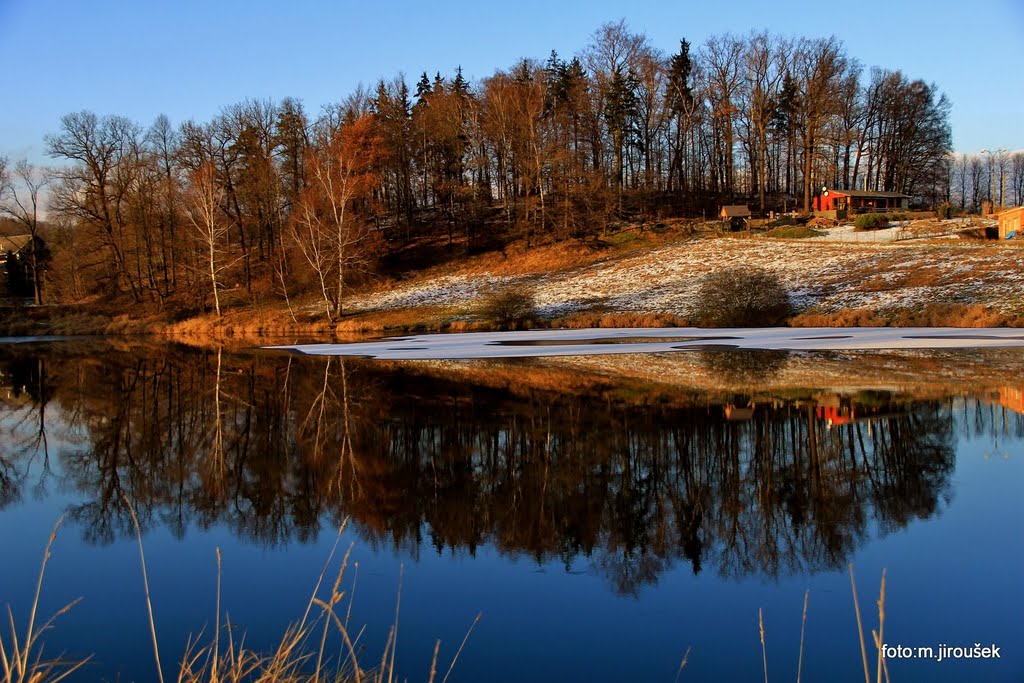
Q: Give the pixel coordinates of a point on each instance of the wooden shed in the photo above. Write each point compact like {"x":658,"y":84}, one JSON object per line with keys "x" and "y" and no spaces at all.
{"x":736,"y":215}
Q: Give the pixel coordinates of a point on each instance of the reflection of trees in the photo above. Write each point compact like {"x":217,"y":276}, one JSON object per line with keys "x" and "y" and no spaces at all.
{"x":272,"y":446}
{"x":24,"y":382}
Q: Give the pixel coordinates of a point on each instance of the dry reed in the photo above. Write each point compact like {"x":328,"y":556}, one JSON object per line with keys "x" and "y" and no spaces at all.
{"x":682,"y":663}
{"x":145,"y":584}
{"x":882,"y":668}
{"x":22,"y":659}
{"x":301,"y":656}
{"x":764,"y":650}
{"x":803,"y":629}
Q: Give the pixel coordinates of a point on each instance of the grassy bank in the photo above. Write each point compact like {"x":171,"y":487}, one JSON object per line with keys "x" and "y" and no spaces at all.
{"x":632,"y":279}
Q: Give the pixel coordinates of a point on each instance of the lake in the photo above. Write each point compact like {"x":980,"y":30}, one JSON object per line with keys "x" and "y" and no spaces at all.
{"x":604,"y":515}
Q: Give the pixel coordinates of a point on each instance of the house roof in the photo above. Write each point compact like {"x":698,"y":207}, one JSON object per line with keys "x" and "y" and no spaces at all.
{"x":735,"y":211}
{"x":870,"y":194}
{"x":14,"y":243}
{"x":1009,"y":212}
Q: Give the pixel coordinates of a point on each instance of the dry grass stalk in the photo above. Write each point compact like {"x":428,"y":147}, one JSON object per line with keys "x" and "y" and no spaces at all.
{"x":878,"y":635}
{"x":803,"y":628}
{"x":860,"y":626}
{"x":216,"y":632}
{"x":21,"y":659}
{"x":682,"y":663}
{"x":433,"y":661}
{"x":764,"y":650}
{"x":294,"y":660}
{"x":459,"y":651}
{"x":145,"y":583}
{"x":882,"y":668}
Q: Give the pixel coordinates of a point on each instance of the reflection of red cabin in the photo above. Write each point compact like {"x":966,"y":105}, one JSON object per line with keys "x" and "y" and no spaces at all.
{"x":860,"y":201}
{"x":835,"y":415}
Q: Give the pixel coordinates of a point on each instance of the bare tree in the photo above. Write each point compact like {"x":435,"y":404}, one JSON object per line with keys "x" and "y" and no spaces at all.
{"x":765,"y":62}
{"x":819,"y":67}
{"x":97,"y":188}
{"x":20,"y":201}
{"x":203,"y":197}
{"x":1002,"y":162}
{"x":723,"y":60}
{"x":961,"y":178}
{"x":977,"y":181}
{"x":328,"y":225}
{"x":1017,"y":178}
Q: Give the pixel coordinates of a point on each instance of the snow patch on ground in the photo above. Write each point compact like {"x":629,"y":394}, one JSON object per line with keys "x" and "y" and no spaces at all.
{"x":665,"y":280}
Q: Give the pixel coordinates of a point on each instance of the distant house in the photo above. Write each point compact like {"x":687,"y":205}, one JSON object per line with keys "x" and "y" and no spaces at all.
{"x":1009,"y":222}
{"x":860,"y":201}
{"x":735,"y":214}
{"x":12,"y":245}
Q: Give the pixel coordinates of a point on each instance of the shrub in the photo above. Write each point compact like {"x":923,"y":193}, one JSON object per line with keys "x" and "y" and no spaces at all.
{"x":945,"y":211}
{"x":508,"y":307}
{"x":742,"y":297}
{"x":871,"y":221}
{"x":745,"y":366}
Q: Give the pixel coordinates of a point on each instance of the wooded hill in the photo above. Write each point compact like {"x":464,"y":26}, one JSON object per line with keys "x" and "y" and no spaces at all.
{"x":272,"y":201}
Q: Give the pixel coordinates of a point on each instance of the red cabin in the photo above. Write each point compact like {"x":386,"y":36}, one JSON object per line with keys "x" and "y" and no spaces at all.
{"x":860,"y":201}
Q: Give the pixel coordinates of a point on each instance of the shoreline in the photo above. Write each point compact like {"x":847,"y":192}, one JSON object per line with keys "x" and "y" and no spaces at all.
{"x":654,"y":284}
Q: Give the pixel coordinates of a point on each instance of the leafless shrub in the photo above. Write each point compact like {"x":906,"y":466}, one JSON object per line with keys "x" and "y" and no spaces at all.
{"x":742,"y":297}
{"x":509,"y":307}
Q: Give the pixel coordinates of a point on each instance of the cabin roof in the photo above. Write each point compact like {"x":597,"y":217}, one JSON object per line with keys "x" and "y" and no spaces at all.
{"x":735,"y":211}
{"x":870,"y":194}
{"x":14,"y":243}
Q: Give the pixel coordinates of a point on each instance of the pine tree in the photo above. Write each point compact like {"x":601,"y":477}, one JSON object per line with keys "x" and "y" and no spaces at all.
{"x":619,"y":112}
{"x":680,"y":101}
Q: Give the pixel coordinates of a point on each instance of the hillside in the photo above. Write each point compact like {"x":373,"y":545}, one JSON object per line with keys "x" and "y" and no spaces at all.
{"x":633,"y":277}
{"x":826,"y":276}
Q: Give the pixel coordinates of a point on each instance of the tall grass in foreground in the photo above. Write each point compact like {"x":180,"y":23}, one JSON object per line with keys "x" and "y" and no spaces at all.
{"x":303,"y":654}
{"x":882,"y":669}
{"x":22,"y":658}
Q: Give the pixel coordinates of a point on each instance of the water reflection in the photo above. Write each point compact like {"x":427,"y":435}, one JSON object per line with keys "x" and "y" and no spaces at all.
{"x":275,"y":447}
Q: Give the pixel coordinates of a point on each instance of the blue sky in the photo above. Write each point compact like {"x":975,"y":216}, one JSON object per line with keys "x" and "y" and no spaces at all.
{"x":188,"y":59}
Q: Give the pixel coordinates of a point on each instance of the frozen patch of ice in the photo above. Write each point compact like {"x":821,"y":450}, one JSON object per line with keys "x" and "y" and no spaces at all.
{"x":531,"y":343}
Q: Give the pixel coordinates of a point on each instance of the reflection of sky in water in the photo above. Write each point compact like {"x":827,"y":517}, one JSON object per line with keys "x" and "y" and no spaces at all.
{"x":952,"y":578}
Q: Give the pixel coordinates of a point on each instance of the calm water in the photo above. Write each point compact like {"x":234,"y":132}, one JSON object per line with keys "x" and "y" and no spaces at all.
{"x":600,"y":530}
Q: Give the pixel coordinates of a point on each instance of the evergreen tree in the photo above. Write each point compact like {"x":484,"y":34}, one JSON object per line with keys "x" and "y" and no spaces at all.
{"x":620,"y":111}
{"x":422,"y":88}
{"x":291,"y":138}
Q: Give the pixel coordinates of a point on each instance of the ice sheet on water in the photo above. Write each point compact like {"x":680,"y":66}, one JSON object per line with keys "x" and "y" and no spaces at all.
{"x":534,"y":343}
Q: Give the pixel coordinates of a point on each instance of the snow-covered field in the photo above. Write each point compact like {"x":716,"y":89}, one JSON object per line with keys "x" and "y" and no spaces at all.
{"x":529,"y":343}
{"x":822,"y":273}
{"x":900,"y":230}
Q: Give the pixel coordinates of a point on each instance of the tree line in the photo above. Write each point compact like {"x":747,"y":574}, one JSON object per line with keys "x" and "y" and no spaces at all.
{"x":995,"y":176}
{"x":271,"y":201}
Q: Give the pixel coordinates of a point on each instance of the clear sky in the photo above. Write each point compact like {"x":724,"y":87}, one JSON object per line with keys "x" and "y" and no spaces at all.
{"x":189,"y":58}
